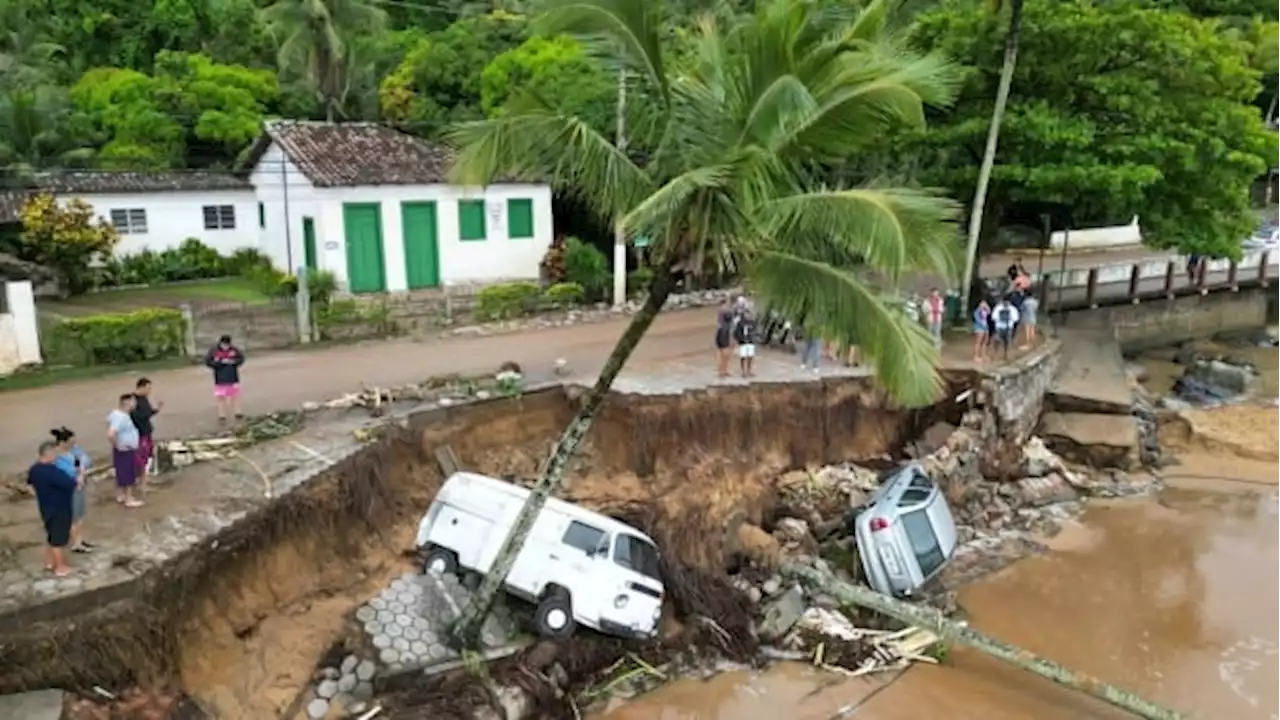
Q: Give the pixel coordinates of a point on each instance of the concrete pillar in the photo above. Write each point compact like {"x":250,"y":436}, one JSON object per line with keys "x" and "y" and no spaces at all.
{"x":189,"y":331}
{"x":21,"y":303}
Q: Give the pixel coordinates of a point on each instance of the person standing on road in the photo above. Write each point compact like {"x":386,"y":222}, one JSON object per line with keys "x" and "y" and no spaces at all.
{"x":1006,"y":319}
{"x":54,"y":489}
{"x":811,"y":356}
{"x":934,"y":310}
{"x":74,"y":461}
{"x":123,"y":435}
{"x":143,"y":411}
{"x":225,"y":360}
{"x":1028,"y":319}
{"x":724,"y":338}
{"x":981,"y":331}
{"x":744,"y":333}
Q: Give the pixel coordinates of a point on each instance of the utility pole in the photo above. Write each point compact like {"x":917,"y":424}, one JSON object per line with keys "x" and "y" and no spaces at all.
{"x":619,"y":234}
{"x":302,"y":298}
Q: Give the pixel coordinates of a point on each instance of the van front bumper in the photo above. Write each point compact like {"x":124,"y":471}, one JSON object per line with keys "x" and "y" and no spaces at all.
{"x":626,"y":631}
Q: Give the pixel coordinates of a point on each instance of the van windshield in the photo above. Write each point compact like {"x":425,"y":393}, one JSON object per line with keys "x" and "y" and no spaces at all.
{"x":631,"y":552}
{"x":924,"y":541}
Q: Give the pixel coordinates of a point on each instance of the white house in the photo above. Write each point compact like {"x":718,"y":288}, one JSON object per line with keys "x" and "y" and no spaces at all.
{"x":371,"y":205}
{"x":157,"y":210}
{"x":19,"y":336}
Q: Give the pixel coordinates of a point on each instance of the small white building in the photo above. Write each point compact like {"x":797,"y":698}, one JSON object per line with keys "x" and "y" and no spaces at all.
{"x":372,"y":205}
{"x":157,"y":210}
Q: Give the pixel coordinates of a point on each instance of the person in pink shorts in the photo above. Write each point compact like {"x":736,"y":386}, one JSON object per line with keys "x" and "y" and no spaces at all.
{"x":225,"y":360}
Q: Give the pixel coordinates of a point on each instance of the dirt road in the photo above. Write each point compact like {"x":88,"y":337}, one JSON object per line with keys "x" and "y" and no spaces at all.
{"x":288,"y":379}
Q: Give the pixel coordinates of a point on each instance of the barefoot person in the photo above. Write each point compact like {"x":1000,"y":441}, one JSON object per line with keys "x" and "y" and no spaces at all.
{"x":143,"y":411}
{"x":124,"y":451}
{"x":934,"y":311}
{"x":54,"y":489}
{"x":74,"y":461}
{"x":981,"y":334}
{"x":225,"y":360}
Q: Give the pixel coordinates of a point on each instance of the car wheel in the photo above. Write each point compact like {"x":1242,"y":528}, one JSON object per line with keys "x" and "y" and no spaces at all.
{"x":554,"y":616}
{"x":440,"y":561}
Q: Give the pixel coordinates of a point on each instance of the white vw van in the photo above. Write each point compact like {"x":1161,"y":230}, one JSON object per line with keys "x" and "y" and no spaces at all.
{"x":577,"y":566}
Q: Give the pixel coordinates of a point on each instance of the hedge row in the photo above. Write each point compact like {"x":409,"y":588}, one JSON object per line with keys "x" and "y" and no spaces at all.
{"x":116,"y":338}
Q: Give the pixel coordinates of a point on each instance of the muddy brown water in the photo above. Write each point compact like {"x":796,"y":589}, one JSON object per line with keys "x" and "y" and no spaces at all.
{"x":1173,"y":597}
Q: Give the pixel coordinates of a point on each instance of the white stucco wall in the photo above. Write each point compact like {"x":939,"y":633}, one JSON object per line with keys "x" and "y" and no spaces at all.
{"x":274,"y":180}
{"x":497,"y":257}
{"x":175,"y":216}
{"x":1102,"y":238}
{"x":19,"y":333}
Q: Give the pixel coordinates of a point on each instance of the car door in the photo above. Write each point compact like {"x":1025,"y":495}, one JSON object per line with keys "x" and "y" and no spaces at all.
{"x":636,"y":584}
{"x":577,"y":560}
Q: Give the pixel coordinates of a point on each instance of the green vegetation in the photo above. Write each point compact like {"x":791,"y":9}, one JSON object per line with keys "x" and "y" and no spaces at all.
{"x":114,"y":339}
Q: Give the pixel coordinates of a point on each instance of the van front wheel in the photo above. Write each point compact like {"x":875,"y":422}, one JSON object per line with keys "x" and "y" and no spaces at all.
{"x":554,"y":617}
{"x":441,"y":561}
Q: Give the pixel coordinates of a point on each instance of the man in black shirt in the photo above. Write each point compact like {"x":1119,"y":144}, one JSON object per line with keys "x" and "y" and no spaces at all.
{"x":143,"y":411}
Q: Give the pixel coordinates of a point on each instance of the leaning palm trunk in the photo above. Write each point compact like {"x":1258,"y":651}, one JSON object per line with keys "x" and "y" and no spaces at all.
{"x":466,"y":629}
{"x":993,"y":140}
{"x":933,"y":621}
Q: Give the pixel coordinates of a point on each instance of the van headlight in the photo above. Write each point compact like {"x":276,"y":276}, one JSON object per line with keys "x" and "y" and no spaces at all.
{"x":620,"y":601}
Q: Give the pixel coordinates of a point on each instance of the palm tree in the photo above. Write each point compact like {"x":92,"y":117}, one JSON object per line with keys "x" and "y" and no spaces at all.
{"x":993,"y":140}
{"x":314,"y":42}
{"x":754,"y":114}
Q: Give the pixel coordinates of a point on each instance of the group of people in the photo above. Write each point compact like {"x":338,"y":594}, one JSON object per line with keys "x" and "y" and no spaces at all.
{"x":737,"y":331}
{"x":1001,"y":315}
{"x":60,"y":474}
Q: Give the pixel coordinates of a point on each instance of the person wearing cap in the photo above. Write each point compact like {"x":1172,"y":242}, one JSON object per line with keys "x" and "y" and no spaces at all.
{"x":225,"y":359}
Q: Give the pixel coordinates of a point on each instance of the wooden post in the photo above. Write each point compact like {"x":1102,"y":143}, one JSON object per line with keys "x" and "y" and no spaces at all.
{"x":1135,"y":274}
{"x":1263,"y":266}
{"x":1091,"y":288}
{"x":1232,"y":272}
{"x":1169,"y":273}
{"x":189,"y":331}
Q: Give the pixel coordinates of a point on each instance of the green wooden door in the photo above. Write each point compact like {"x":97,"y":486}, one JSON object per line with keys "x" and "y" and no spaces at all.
{"x":309,"y":242}
{"x":421,"y":250}
{"x":362,"y":223}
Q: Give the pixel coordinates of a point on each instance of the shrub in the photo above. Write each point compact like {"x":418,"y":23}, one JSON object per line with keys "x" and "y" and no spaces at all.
{"x":321,"y":285}
{"x":638,"y":281}
{"x":245,"y":259}
{"x":348,"y":312}
{"x":506,"y":300}
{"x":565,"y":294}
{"x":116,"y":338}
{"x":65,"y":238}
{"x":270,"y":281}
{"x":585,"y":265}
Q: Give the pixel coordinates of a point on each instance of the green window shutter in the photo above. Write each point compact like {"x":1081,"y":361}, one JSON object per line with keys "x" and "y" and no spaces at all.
{"x":519,"y":219}
{"x":471,"y":220}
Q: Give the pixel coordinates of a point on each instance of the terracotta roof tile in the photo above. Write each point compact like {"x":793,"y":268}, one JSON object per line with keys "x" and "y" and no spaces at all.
{"x":89,"y":182}
{"x":347,"y":154}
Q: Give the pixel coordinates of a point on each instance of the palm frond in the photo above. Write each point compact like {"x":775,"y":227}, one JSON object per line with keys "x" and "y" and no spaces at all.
{"x":627,"y":29}
{"x":844,"y":308}
{"x":564,"y":151}
{"x":893,"y":230}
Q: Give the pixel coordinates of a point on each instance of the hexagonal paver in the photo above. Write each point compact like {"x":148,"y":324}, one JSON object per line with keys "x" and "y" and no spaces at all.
{"x":411,"y":633}
{"x":389,"y":656}
{"x":400,"y":644}
{"x":365,"y":672}
{"x":381,"y":641}
{"x":365,"y":614}
{"x":395,"y":606}
{"x":393,"y":630}
{"x":386,"y":617}
{"x":373,"y":627}
{"x":436,"y":651}
{"x":419,"y":648}
{"x":404,"y":620}
{"x":378,"y":603}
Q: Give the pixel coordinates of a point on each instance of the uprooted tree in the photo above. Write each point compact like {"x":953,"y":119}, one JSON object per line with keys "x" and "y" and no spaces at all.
{"x":751,"y":112}
{"x":930,"y":619}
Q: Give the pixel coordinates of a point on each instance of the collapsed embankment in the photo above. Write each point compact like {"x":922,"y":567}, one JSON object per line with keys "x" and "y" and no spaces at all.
{"x":239,"y":620}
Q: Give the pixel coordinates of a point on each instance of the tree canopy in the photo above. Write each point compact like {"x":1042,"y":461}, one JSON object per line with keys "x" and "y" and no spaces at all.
{"x":1145,"y":106}
{"x":1139,"y":112}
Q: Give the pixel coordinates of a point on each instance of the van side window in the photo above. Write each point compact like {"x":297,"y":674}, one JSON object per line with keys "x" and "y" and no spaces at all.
{"x":583,"y":537}
{"x":922,"y":481}
{"x":912,"y":496}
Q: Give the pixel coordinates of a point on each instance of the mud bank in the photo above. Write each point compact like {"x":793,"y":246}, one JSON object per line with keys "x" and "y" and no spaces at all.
{"x":239,"y":620}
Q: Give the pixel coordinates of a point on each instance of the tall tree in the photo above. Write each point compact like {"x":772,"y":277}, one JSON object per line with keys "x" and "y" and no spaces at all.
{"x":753,"y":116}
{"x":315,"y":39}
{"x":1009,"y":62}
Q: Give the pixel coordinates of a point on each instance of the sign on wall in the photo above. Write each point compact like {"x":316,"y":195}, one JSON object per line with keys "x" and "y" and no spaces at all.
{"x":495,"y":214}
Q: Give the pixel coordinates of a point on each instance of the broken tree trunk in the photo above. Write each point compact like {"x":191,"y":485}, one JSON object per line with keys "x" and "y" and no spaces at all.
{"x":932,"y":620}
{"x":466,"y":629}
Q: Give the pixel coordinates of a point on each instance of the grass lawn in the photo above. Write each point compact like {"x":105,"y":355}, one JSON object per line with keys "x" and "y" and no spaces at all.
{"x":222,"y":290}
{"x":52,"y":376}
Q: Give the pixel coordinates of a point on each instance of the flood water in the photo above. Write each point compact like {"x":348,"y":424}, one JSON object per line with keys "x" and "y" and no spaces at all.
{"x":1174,"y":598}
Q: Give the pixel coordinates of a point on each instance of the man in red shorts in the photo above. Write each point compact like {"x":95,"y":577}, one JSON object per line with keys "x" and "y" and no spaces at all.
{"x":143,"y":412}
{"x":225,"y":360}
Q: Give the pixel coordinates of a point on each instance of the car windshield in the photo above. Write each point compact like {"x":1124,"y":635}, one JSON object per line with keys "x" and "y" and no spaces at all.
{"x":924,"y":540}
{"x":631,"y":552}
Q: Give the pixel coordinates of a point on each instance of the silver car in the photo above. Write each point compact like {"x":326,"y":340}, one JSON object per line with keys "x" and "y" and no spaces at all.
{"x":905,"y":533}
